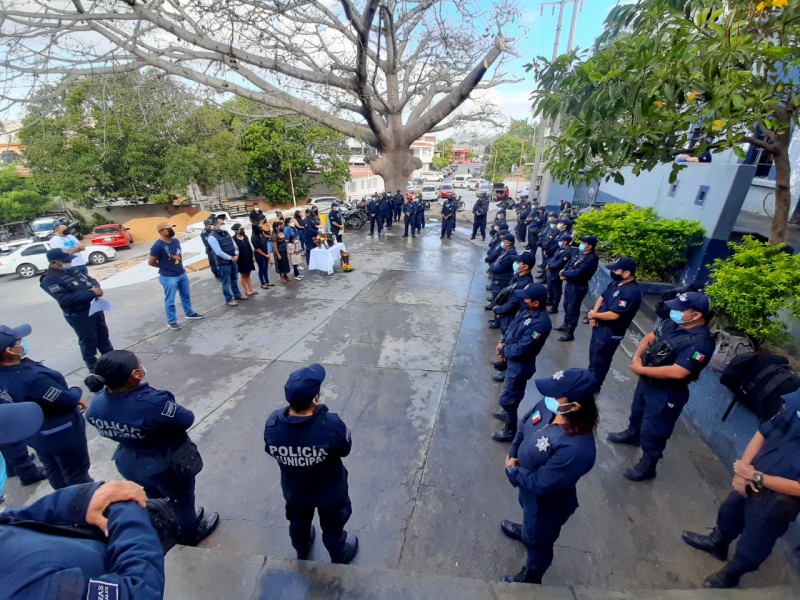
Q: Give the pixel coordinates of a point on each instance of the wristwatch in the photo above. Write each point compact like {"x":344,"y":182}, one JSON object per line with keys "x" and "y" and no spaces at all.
{"x":758,"y":479}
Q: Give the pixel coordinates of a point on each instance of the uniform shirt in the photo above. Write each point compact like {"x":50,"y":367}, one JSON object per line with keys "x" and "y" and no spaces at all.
{"x":309,"y":452}
{"x":408,"y":209}
{"x":68,"y":242}
{"x":503,"y":267}
{"x":334,"y":217}
{"x":550,"y":461}
{"x":526,"y":335}
{"x":372,"y":207}
{"x":45,"y":559}
{"x":71,"y":289}
{"x":780,"y":454}
{"x":419,"y":207}
{"x":559,"y":259}
{"x":31,"y":381}
{"x":385,"y":205}
{"x":512,"y":303}
{"x":581,"y":268}
{"x":623,"y":300}
{"x":169,"y":256}
{"x":695,"y":346}
{"x":448,"y":209}
{"x":142,"y":418}
{"x":480,"y":208}
{"x":311,"y":227}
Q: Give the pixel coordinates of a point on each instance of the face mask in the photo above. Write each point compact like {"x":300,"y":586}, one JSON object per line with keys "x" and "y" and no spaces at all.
{"x":616,"y":276}
{"x":25,"y":349}
{"x":143,"y":370}
{"x":798,"y":414}
{"x":676,"y":316}
{"x":552,"y":225}
{"x":582,"y":247}
{"x":171,"y":233}
{"x":551,"y":404}
{"x":515,"y":267}
{"x":3,"y":475}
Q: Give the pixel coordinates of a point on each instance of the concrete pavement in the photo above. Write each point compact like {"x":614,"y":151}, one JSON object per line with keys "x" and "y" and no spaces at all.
{"x":405,"y":344}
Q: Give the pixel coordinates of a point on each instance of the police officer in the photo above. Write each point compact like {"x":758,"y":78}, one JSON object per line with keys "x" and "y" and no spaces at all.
{"x":448,"y":218}
{"x":666,"y":361}
{"x":386,"y":210}
{"x":519,"y":347}
{"x":86,"y":541}
{"x":398,"y":204}
{"x":419,"y":204}
{"x":552,"y":450}
{"x":479,"y":211}
{"x":612,"y":315}
{"x":74,"y":293}
{"x":496,"y":244}
{"x":61,"y":443}
{"x":208,"y":227}
{"x":502,"y":269}
{"x":373,"y":210}
{"x":555,"y":264}
{"x":765,"y":499}
{"x":408,"y":218}
{"x":311,"y":230}
{"x":150,"y":428}
{"x":521,"y":229}
{"x":577,"y":274}
{"x":535,"y":221}
{"x":337,"y":225}
{"x":546,"y":237}
{"x":308,"y":442}
{"x":506,"y":305}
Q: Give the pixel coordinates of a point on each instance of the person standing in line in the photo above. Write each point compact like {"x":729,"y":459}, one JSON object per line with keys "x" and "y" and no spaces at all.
{"x":386,"y":210}
{"x":555,"y":264}
{"x":448,"y":218}
{"x":71,"y":245}
{"x":337,"y":225}
{"x":295,"y":256}
{"x":312,"y":230}
{"x":373,"y":210}
{"x":166,"y":255}
{"x":398,"y":204}
{"x":261,"y":249}
{"x":74,"y":293}
{"x":245,"y":265}
{"x":479,"y":211}
{"x":299,"y":228}
{"x":420,"y":214}
{"x":227,"y":254}
{"x":577,"y":274}
{"x":208,"y":227}
{"x":408,"y":218}
{"x":281,"y":252}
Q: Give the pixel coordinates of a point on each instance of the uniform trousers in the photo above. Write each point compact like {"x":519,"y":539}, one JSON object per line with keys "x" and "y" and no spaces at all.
{"x":92,"y":335}
{"x":479,"y":225}
{"x":601,"y":352}
{"x":574,"y":294}
{"x":541,"y":526}
{"x":654,"y":412}
{"x":554,"y":289}
{"x":514,"y":385}
{"x":332,"y":520}
{"x":64,"y":451}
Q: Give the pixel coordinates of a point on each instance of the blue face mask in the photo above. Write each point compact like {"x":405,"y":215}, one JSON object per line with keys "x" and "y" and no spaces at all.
{"x":676,"y":316}
{"x":582,"y":247}
{"x":552,"y":225}
{"x":3,"y":475}
{"x":515,"y":267}
{"x":25,"y":349}
{"x":551,"y":404}
{"x":798,"y":414}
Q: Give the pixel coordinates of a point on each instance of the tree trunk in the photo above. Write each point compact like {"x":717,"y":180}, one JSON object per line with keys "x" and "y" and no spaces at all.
{"x":783,"y":198}
{"x":395,"y":166}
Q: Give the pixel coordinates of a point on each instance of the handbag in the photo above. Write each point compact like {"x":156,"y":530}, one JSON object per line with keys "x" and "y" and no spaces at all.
{"x":727,"y":347}
{"x":185,"y":461}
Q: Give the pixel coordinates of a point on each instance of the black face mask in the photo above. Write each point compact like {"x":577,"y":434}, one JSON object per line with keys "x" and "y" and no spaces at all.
{"x":616,"y":276}
{"x":171,"y":233}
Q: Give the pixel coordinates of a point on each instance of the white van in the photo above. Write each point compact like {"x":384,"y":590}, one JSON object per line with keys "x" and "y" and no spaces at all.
{"x":431,"y":176}
{"x":460,"y":180}
{"x":430,"y":193}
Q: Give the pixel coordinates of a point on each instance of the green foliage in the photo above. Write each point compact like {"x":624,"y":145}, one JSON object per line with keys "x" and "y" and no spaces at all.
{"x":659,"y":246}
{"x":754,"y":285}
{"x":98,"y":219}
{"x":19,"y":199}
{"x":439,"y":162}
{"x":160,"y":199}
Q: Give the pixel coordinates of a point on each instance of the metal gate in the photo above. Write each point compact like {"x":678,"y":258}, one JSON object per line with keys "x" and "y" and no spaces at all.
{"x":584,"y":195}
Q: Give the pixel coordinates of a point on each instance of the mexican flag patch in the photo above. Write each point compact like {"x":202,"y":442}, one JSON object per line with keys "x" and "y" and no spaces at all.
{"x":536,"y":417}
{"x":623,"y":303}
{"x":536,"y":335}
{"x":698,"y":357}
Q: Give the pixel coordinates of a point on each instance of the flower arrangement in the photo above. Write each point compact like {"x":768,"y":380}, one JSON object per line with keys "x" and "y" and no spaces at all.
{"x":320,"y":240}
{"x":348,"y":268}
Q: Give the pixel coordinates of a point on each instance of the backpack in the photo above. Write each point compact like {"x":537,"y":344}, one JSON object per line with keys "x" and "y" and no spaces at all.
{"x":758,"y":381}
{"x":727,"y":347}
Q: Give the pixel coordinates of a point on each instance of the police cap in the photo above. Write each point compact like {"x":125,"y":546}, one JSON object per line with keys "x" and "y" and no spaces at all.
{"x":574,"y":384}
{"x":58,"y":255}
{"x":9,"y":335}
{"x":689,"y":301}
{"x":303,"y":386}
{"x":534,"y":291}
{"x":625,"y":264}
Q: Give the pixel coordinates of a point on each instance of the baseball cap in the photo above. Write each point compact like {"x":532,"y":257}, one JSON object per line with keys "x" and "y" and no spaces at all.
{"x":624,"y":263}
{"x":534,"y":291}
{"x":19,"y":421}
{"x":208,"y":222}
{"x":570,"y":383}
{"x":509,"y":237}
{"x":303,"y":385}
{"x":689,"y":301}
{"x":528,"y":258}
{"x":9,"y":335}
{"x":58,"y":255}
{"x":590,"y":239}
{"x":164,"y":225}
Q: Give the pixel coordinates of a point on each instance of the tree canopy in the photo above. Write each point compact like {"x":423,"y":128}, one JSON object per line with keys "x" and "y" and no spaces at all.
{"x":19,"y":199}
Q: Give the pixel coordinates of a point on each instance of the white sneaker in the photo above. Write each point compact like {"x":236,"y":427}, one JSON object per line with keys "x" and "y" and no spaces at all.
{"x":300,"y":269}
{"x":299,"y":277}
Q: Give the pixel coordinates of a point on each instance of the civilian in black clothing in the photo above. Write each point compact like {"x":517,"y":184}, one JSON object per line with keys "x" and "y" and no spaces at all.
{"x":245,"y":264}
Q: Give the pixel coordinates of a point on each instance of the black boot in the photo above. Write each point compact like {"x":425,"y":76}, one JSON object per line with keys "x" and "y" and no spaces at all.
{"x":524,"y":576}
{"x":35,"y":477}
{"x":494,"y":324}
{"x":501,"y":414}
{"x":304,"y":555}
{"x":567,"y":337}
{"x":206,"y":528}
{"x":624,"y":437}
{"x":498,"y":377}
{"x":645,"y":469}
{"x":349,"y":552}
{"x":724,"y":578}
{"x":560,"y":328}
{"x":511,"y":529}
{"x":501,"y":366}
{"x":199,"y":513}
{"x":712,"y":543}
{"x":506,"y":434}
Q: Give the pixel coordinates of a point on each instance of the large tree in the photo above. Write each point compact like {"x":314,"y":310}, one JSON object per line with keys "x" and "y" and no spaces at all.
{"x":668,"y":73}
{"x":384,"y":71}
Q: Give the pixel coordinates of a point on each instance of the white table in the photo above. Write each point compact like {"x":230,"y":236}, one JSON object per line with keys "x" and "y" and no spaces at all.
{"x":323,"y":259}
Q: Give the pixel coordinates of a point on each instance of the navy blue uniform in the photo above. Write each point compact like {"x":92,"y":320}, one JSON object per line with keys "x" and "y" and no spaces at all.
{"x":511,"y":305}
{"x":521,"y":227}
{"x":502,"y":269}
{"x":419,"y":213}
{"x":577,"y":273}
{"x":535,"y":222}
{"x":555,"y":264}
{"x":761,"y":518}
{"x":495,"y":248}
{"x":386,"y":210}
{"x":625,"y":301}
{"x":408,"y":219}
{"x":523,"y":341}
{"x":399,"y":200}
{"x":657,"y":403}
{"x":311,"y":229}
{"x":149,"y":425}
{"x":309,"y":452}
{"x":448,"y":218}
{"x":374,"y":209}
{"x":479,"y":211}
{"x":73,"y":292}
{"x":550,"y":464}
{"x":212,"y":258}
{"x":48,"y":551}
{"x":61,"y":443}
{"x":335,"y":218}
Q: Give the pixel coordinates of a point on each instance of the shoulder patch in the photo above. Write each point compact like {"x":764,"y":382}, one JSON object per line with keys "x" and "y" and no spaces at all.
{"x":102,"y":590}
{"x":170,"y":408}
{"x":536,"y":335}
{"x":51,"y":394}
{"x":698,"y":357}
{"x":623,"y":303}
{"x":54,"y":288}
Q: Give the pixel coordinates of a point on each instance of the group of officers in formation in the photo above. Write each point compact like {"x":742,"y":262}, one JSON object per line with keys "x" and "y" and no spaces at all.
{"x":385,"y":209}
{"x":91,"y":540}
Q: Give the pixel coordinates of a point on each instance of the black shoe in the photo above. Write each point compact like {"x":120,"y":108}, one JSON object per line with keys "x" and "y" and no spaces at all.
{"x":488,"y":288}
{"x":624,"y":437}
{"x":511,"y":529}
{"x":541,"y":279}
{"x":349,"y":552}
{"x":524,"y":576}
{"x":304,"y":555}
{"x":37,"y":476}
{"x":552,"y":311}
{"x":585,"y":320}
{"x":494,"y":325}
{"x":724,"y":578}
{"x":504,"y":435}
{"x":199,"y":513}
{"x":472,"y":237}
{"x":643,"y":470}
{"x":501,"y":366}
{"x":499,"y":377}
{"x":503,"y":416}
{"x":488,"y":307}
{"x":206,"y":528}
{"x":712,"y":543}
{"x":567,"y":337}
{"x":561,"y":328}
{"x":404,"y":235}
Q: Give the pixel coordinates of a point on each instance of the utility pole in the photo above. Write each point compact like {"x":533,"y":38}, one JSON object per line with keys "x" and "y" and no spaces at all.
{"x":540,"y":137}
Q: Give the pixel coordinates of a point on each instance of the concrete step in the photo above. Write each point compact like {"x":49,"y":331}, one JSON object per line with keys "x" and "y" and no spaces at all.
{"x":200,"y":574}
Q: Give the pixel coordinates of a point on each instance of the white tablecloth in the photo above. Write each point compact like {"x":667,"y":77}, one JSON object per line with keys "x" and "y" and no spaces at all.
{"x":323,"y":259}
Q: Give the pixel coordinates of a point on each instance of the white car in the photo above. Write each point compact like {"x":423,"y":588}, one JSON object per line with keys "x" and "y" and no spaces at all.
{"x":198,"y":227}
{"x":430,"y":193}
{"x":431,"y":176}
{"x":29,"y":260}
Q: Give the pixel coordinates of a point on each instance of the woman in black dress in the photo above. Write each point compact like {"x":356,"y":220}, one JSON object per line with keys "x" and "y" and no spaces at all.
{"x":245,"y":264}
{"x":261,"y":245}
{"x":281,"y":253}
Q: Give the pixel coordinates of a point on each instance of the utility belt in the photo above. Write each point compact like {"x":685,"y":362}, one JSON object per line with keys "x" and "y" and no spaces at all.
{"x":185,"y":461}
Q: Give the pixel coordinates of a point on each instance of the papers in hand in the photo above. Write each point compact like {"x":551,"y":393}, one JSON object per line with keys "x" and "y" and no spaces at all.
{"x":99,"y":304}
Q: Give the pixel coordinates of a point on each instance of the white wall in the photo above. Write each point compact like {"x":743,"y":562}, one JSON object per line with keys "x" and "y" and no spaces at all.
{"x":364,"y":186}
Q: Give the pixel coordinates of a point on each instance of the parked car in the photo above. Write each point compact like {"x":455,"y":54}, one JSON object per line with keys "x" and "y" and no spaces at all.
{"x":431,"y":176}
{"x":15,"y":234}
{"x":460,"y":180}
{"x":197,"y":227}
{"x":446,"y":190}
{"x":323,"y":202}
{"x":27,"y":261}
{"x":44,"y":227}
{"x":475,"y":183}
{"x":111,"y":234}
{"x":429,"y":193}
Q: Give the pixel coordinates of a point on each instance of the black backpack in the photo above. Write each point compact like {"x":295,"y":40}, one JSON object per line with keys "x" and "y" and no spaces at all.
{"x":758,"y":381}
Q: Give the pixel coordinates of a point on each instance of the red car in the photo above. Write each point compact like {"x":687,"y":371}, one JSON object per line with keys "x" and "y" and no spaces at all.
{"x":447,"y":191}
{"x":113,"y":234}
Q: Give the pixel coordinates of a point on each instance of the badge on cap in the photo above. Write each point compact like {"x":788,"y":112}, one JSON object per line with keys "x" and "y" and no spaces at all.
{"x":558,"y":375}
{"x":536,"y":417}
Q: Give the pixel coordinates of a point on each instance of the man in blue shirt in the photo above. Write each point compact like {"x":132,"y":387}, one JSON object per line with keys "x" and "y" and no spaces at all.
{"x":337,"y":225}
{"x":408,"y":218}
{"x":373,"y":210}
{"x":166,"y":255}
{"x":227,"y":254}
{"x":577,"y":274}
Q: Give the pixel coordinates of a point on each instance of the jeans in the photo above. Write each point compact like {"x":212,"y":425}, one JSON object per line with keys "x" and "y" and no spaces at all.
{"x":262,"y":262}
{"x":176,"y":285}
{"x":229,"y":274}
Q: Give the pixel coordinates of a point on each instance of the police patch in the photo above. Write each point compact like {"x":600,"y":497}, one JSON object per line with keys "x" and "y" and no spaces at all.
{"x":54,"y":288}
{"x":622,"y":303}
{"x":51,"y":394}
{"x":536,"y":335}
{"x":698,"y":357}
{"x":169,"y":409}
{"x":102,"y":590}
{"x":536,"y":417}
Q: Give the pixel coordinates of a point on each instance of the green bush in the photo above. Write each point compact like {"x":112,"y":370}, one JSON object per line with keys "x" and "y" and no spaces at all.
{"x":659,"y":246}
{"x":754,"y":285}
{"x":98,"y":219}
